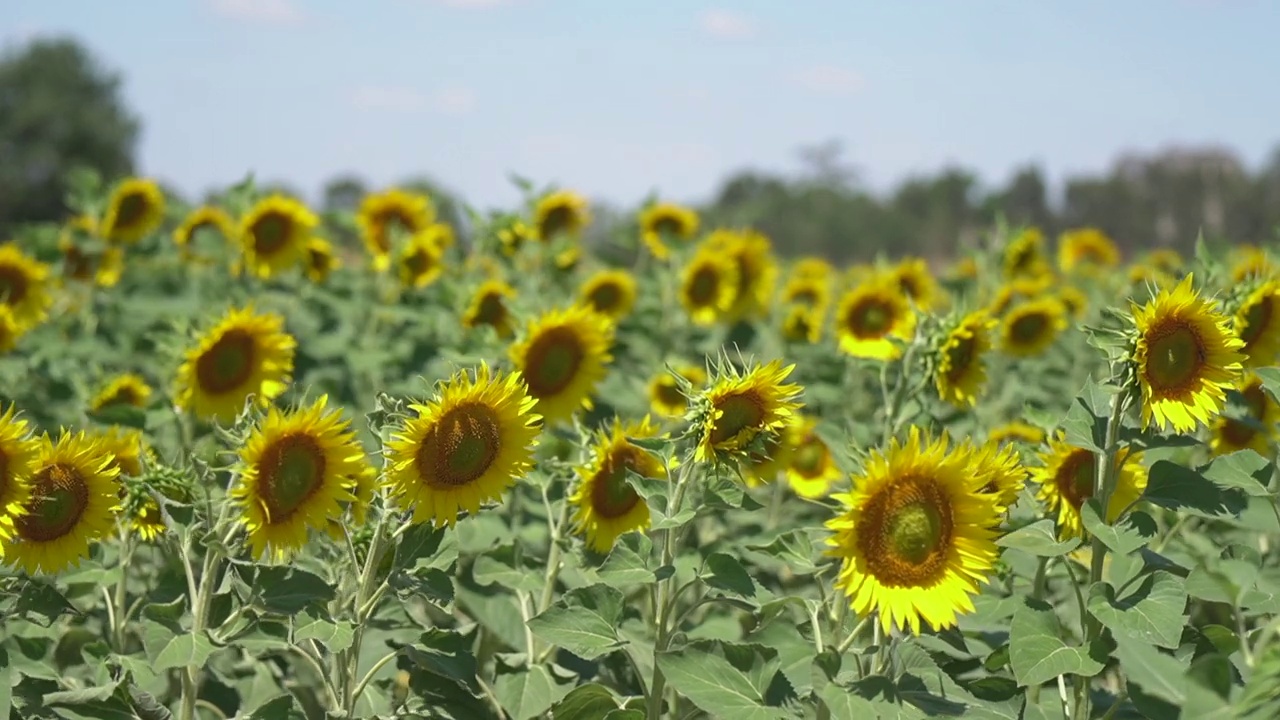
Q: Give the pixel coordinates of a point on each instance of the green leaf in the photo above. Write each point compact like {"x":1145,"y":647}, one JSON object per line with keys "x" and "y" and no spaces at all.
{"x":1243,"y":470}
{"x":447,"y":654}
{"x":183,"y":651}
{"x":1173,"y":486}
{"x":287,"y":590}
{"x":1158,"y":674}
{"x":586,"y":702}
{"x":502,"y":566}
{"x":1270,"y":377}
{"x":1151,"y":612}
{"x":526,"y":693}
{"x":425,"y":544}
{"x":715,"y":685}
{"x":42,"y":603}
{"x":793,"y":548}
{"x":652,"y":444}
{"x":121,"y":414}
{"x":335,"y":637}
{"x":584,"y":621}
{"x":845,"y":704}
{"x":1039,"y":538}
{"x":724,"y":572}
{"x":1037,"y":653}
{"x":279,"y":707}
{"x":1131,"y":533}
{"x":627,"y":566}
{"x":1082,"y":428}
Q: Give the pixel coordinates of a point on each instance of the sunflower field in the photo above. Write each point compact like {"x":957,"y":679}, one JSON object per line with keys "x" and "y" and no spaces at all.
{"x":250,"y":468}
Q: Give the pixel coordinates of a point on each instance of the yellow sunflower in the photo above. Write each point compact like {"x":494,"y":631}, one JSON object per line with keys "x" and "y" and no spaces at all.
{"x":18,"y":454}
{"x":274,"y":234}
{"x":964,"y":269}
{"x":1257,"y":323}
{"x":1000,"y":467}
{"x":1186,"y":358}
{"x":466,"y":446}
{"x":708,"y":286}
{"x":489,"y":307}
{"x":421,"y":260}
{"x":812,"y":268}
{"x":134,"y":210}
{"x":916,"y":282}
{"x":1024,"y":288}
{"x":74,"y":496}
{"x":752,"y":252}
{"x":562,"y":357}
{"x":664,"y":220}
{"x":124,"y":447}
{"x":1016,"y":432}
{"x":665,"y":396}
{"x":742,"y":408}
{"x":24,"y":286}
{"x":127,"y":389}
{"x":1256,"y":430}
{"x":10,"y":331}
{"x":962,"y":370}
{"x":383,"y":215}
{"x":206,"y":218}
{"x":320,"y":259}
{"x":605,"y":504}
{"x":1067,"y":478}
{"x":1074,"y":300}
{"x":102,"y":266}
{"x":914,"y":536}
{"x":1030,"y":327}
{"x":1024,"y":256}
{"x":563,"y":212}
{"x":611,"y":293}
{"x":146,"y":520}
{"x":514,"y":237}
{"x":1250,"y":262}
{"x":772,"y":455}
{"x":802,"y":324}
{"x":1086,"y":250}
{"x":294,"y":471}
{"x":812,"y":470}
{"x":870,"y":317}
{"x":807,"y":290}
{"x":244,"y":354}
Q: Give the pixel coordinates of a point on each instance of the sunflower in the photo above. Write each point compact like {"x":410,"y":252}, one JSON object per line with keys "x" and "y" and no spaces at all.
{"x":802,"y":324}
{"x":1067,"y":479}
{"x":101,"y":265}
{"x":664,"y":220}
{"x":665,"y":395}
{"x":1025,"y":288}
{"x":244,"y":354}
{"x":914,"y":536}
{"x":466,"y":446}
{"x":1024,"y":256}
{"x":752,"y":252}
{"x":1001,"y":469}
{"x":489,"y":307}
{"x":1256,"y":429}
{"x":1031,"y":326}
{"x":708,"y":286}
{"x":422,"y":259}
{"x":965,"y":269}
{"x":962,"y":370}
{"x":135,"y":210}
{"x":1016,"y":432}
{"x":870,"y":317}
{"x":1257,"y":323}
{"x":206,"y":218}
{"x":741,"y":408}
{"x":295,"y":468}
{"x":807,"y":290}
{"x":916,"y":282}
{"x":392,"y":211}
{"x":514,"y":237}
{"x":1086,"y":250}
{"x":10,"y":332}
{"x":566,"y":261}
{"x":146,"y":520}
{"x":127,"y":389}
{"x":124,"y":447}
{"x":562,"y":357}
{"x":320,"y":260}
{"x":24,"y":286}
{"x":274,"y":234}
{"x":563,"y":212}
{"x":812,"y":268}
{"x":606,"y":506}
{"x":772,"y":455}
{"x":611,"y":293}
{"x":1075,"y":301}
{"x":74,"y":496}
{"x":812,"y":470}
{"x":18,"y":454}
{"x":1186,"y":358}
{"x":1251,"y":262}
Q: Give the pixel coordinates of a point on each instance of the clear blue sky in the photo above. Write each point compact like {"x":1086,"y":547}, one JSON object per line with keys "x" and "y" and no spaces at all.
{"x":620,"y":97}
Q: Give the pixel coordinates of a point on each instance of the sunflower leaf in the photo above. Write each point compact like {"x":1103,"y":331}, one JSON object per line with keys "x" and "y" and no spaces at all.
{"x":184,"y":651}
{"x":725,"y":685}
{"x":1173,"y":486}
{"x":586,"y":702}
{"x":1151,"y":612}
{"x":1158,"y":674}
{"x":725,"y":572}
{"x":1123,"y":538}
{"x":1037,"y":652}
{"x":584,"y":621}
{"x":1243,"y":470}
{"x":445,"y":654}
{"x":1039,"y":538}
{"x":527,"y":693}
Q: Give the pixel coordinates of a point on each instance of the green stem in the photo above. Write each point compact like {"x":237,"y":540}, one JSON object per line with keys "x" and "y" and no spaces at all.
{"x":364,"y":591}
{"x":191,"y":675}
{"x":658,"y":685}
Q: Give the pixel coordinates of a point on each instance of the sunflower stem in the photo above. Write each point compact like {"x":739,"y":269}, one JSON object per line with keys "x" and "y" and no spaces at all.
{"x":364,"y":591}
{"x":117,"y":611}
{"x":201,"y":602}
{"x":665,"y":604}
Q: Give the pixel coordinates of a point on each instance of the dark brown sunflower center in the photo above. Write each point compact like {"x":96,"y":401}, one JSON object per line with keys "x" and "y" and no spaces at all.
{"x":460,"y":447}
{"x":60,"y":498}
{"x":960,"y":356}
{"x":228,"y":364}
{"x":611,"y":495}
{"x":704,"y":285}
{"x":419,"y":262}
{"x":123,"y":395}
{"x":319,"y":259}
{"x":910,"y":286}
{"x":668,"y":393}
{"x":1028,"y":328}
{"x":131,"y":211}
{"x":810,"y":457}
{"x":1022,"y":259}
{"x":870,"y":318}
{"x":798,"y":326}
{"x":740,"y":412}
{"x":388,"y":222}
{"x":291,"y":471}
{"x":4,"y":475}
{"x":1075,"y":477}
{"x":553,"y":361}
{"x":905,"y":532}
{"x":13,"y":284}
{"x":668,"y":225}
{"x":79,"y":266}
{"x":1175,"y":356}
{"x":605,"y":297}
{"x":270,"y":232}
{"x":491,"y":310}
{"x":1257,"y":320}
{"x":806,"y":295}
{"x":559,"y":219}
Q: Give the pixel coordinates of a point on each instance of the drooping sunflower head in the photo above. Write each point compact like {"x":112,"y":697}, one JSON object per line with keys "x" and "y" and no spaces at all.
{"x":752,"y":252}
{"x":18,"y":454}
{"x":605,"y":504}
{"x":1030,"y":327}
{"x":1254,"y":426}
{"x":489,"y":307}
{"x":662,"y":221}
{"x":811,"y":470}
{"x":127,"y":389}
{"x":245,"y":354}
{"x":709,"y":286}
{"x":466,"y":446}
{"x":914,"y":279}
{"x":560,"y":213}
{"x":802,"y":324}
{"x":1067,"y":479}
{"x":134,"y":210}
{"x":611,"y":293}
{"x":24,"y":286}
{"x":562,"y":357}
{"x":295,"y":470}
{"x":1185,"y":356}
{"x":1086,"y":250}
{"x":72,"y":501}
{"x":1024,"y":256}
{"x":961,"y":370}
{"x":422,"y":258}
{"x":870,"y":317}
{"x":274,"y":234}
{"x":914,"y":536}
{"x":739,"y":412}
{"x":204,"y":219}
{"x":84,"y":258}
{"x":515,"y":236}
{"x":1257,"y":324}
{"x":667,"y":392}
{"x":382,"y":216}
{"x":1016,"y":432}
{"x":815,"y":292}
{"x":320,"y":259}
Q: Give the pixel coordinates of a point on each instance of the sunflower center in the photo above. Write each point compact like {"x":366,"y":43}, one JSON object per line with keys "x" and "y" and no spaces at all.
{"x":460,"y":447}
{"x":13,"y":285}
{"x":79,"y":265}
{"x":1256,"y":321}
{"x":1174,"y":357}
{"x":905,"y":532}
{"x":292,"y":471}
{"x":611,"y":495}
{"x":809,"y":458}
{"x":1029,"y":327}
{"x":807,"y":295}
{"x":1022,"y":258}
{"x":132,"y":209}
{"x":1075,"y":477}
{"x":914,"y":531}
{"x":418,"y":262}
{"x":871,"y":318}
{"x":738,"y":413}
{"x":270,"y":233}
{"x":227,"y":364}
{"x":909,"y":286}
{"x":491,"y":310}
{"x":556,"y":221}
{"x":960,"y":356}
{"x":704,"y":285}
{"x":668,"y":225}
{"x":553,"y":361}
{"x":60,"y":499}
{"x":605,"y":297}
{"x":668,"y":393}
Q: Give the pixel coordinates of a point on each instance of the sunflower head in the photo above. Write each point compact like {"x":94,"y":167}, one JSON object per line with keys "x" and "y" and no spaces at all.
{"x":10,"y":331}
{"x":811,"y":470}
{"x":741,"y":410}
{"x":961,"y":369}
{"x":1086,"y":250}
{"x":1024,"y":256}
{"x":662,"y":221}
{"x":964,"y":269}
{"x":611,"y":293}
{"x":1253,"y":427}
{"x":1250,"y":262}
{"x":206,"y":218}
{"x":24,"y":286}
{"x":709,"y":286}
{"x":771,"y":455}
{"x":382,"y":216}
{"x":752,"y":253}
{"x":127,"y":389}
{"x":1001,"y":468}
{"x":913,"y":278}
{"x":669,"y":392}
{"x":872,"y":319}
{"x":422,"y":258}
{"x":1185,"y":357}
{"x":809,"y":290}
{"x":813,"y":267}
{"x":514,"y":237}
{"x":1075,"y":301}
{"x":84,"y":259}
{"x":274,"y":234}
{"x":802,"y":324}
{"x":915,"y":534}
{"x":466,"y":446}
{"x":605,"y":504}
{"x":125,"y":447}
{"x":489,"y":307}
{"x":1019,"y":289}
{"x":1016,"y":432}
{"x":1067,"y":478}
{"x":245,"y":354}
{"x":18,"y":454}
{"x":320,"y":259}
{"x":562,"y":357}
{"x":134,"y":210}
{"x":1257,"y":324}
{"x":563,"y":212}
{"x":1030,"y":327}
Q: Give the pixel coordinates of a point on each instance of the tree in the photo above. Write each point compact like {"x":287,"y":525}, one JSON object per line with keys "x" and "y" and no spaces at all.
{"x":59,"y":109}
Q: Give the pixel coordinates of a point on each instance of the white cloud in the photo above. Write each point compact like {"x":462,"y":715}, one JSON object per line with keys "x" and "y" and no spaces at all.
{"x":728,"y":25}
{"x":261,"y":12}
{"x":455,"y":101}
{"x":388,"y":98}
{"x":829,"y":80}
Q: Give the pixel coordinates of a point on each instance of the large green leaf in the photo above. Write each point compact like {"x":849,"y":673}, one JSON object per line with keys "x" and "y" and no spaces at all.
{"x":584,"y":621}
{"x":717,"y":686}
{"x":528,"y":692}
{"x":185,"y":650}
{"x":1039,"y":538}
{"x":1037,"y":652}
{"x":1150,"y":612}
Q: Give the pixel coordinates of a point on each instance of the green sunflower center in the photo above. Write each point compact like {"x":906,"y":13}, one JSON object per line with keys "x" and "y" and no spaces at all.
{"x":1257,"y":320}
{"x":131,"y":211}
{"x":1075,"y":477}
{"x":739,"y":413}
{"x":1175,"y":355}
{"x":905,"y":532}
{"x":13,"y":285}
{"x":60,"y":498}
{"x":605,"y":297}
{"x":611,"y":495}
{"x":460,"y":447}
{"x":810,"y":457}
{"x":913,"y":532}
{"x":553,"y":361}
{"x":292,"y":471}
{"x":1028,"y":328}
{"x":704,"y":285}
{"x":271,"y":233}
{"x":872,"y":318}
{"x":559,"y":219}
{"x":228,"y":364}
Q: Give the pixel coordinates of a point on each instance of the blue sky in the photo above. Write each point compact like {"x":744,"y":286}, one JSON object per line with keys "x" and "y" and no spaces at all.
{"x":621,"y":97}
